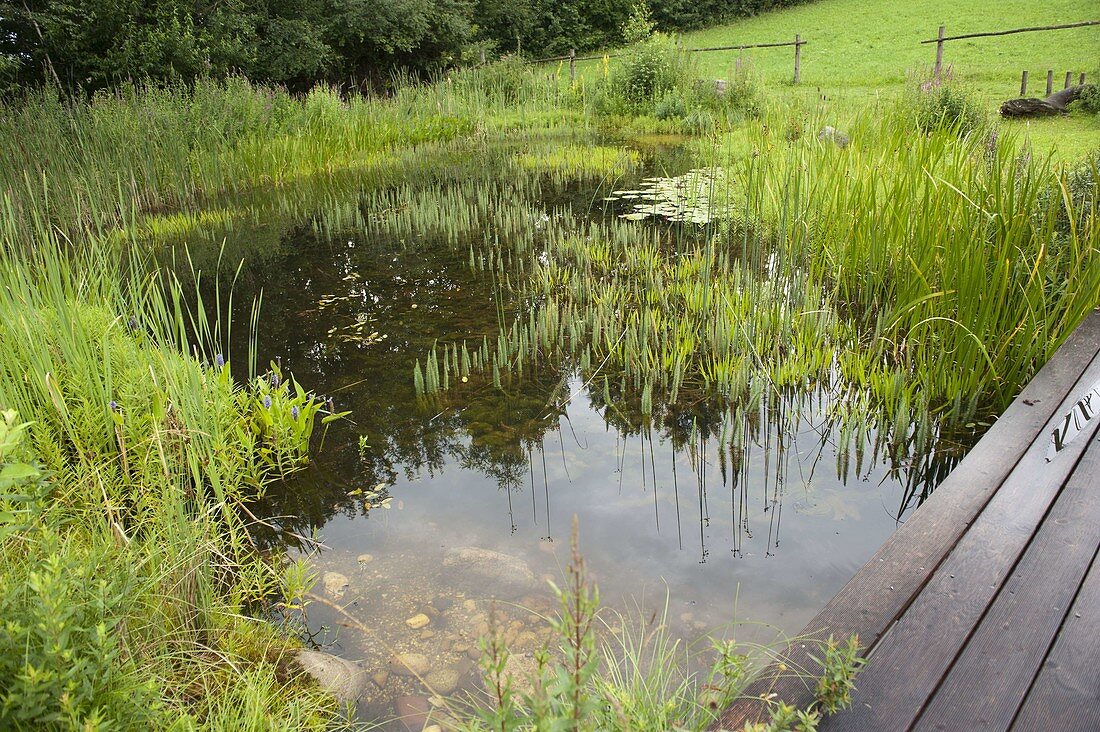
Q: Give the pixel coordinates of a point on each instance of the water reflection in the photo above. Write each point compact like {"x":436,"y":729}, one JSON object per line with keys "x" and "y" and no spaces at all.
{"x":759,"y":509}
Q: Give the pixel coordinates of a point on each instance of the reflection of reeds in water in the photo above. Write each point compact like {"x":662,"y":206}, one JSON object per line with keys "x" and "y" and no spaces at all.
{"x":917,"y":282}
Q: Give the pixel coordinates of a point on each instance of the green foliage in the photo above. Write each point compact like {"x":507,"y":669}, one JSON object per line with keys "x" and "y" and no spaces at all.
{"x":63,"y":656}
{"x":95,"y":44}
{"x":1089,"y":100}
{"x":840,"y":665}
{"x":651,"y":69}
{"x":656,"y":78}
{"x":949,"y":107}
{"x":22,"y":484}
{"x":639,"y":26}
{"x":670,"y":106}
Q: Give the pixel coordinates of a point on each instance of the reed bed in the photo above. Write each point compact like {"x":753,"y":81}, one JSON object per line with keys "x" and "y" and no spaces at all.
{"x":919,"y":280}
{"x":128,"y":568}
{"x":100,"y":163}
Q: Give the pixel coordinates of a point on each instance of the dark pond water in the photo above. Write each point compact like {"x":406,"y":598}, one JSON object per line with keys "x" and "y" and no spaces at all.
{"x":436,"y":507}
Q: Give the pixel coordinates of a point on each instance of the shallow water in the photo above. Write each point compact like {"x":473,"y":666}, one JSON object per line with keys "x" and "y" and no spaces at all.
{"x":765,"y":534}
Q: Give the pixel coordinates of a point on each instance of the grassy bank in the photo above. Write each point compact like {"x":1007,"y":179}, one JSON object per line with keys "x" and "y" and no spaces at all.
{"x":126,"y":563}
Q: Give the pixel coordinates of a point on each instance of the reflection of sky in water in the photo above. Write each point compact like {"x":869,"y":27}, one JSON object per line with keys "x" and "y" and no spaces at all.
{"x":780,"y":559}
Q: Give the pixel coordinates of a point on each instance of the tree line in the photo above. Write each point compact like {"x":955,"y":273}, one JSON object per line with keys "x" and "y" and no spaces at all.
{"x":93,"y":44}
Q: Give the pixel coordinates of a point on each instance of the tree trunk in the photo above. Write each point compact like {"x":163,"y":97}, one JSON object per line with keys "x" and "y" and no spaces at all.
{"x":1033,"y":107}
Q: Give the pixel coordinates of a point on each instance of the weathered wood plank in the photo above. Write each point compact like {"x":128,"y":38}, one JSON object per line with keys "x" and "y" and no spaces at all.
{"x":908,"y":664}
{"x":885,"y":586}
{"x":988,"y":682}
{"x":1066,"y":694}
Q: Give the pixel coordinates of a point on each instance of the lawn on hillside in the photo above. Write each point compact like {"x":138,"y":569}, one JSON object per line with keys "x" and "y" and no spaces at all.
{"x":857,"y":49}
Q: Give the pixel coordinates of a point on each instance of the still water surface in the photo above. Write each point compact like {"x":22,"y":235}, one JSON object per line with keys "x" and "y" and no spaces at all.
{"x":436,"y":507}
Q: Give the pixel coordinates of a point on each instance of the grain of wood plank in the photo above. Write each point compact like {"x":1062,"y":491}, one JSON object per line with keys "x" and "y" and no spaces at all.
{"x":909,"y":663}
{"x":1066,"y":694}
{"x":885,"y":586}
{"x":988,"y":682}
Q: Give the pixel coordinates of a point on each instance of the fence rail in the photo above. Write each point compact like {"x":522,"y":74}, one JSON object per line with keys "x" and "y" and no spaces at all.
{"x":942,"y":38}
{"x":1082,"y":24}
{"x":573,"y":58}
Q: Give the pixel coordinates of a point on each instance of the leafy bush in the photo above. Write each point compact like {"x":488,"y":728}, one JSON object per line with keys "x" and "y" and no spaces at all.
{"x":1089,"y":100}
{"x":670,"y":106}
{"x":63,"y":658}
{"x":651,"y":69}
{"x":947,"y":107}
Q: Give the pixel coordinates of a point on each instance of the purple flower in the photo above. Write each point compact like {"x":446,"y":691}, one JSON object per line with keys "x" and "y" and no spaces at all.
{"x":219,"y":361}
{"x":113,"y":405}
{"x":275,"y":380}
{"x":267,"y":401}
{"x":294,"y":413}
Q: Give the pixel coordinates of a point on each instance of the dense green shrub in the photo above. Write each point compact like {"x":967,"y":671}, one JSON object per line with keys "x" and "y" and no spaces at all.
{"x":93,"y":44}
{"x":1089,"y":100}
{"x":948,"y":107}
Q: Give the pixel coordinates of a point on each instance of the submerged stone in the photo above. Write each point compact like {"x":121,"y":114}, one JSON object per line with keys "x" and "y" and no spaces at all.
{"x":418,"y":621}
{"x":489,"y":569}
{"x":410,"y":664}
{"x":340,"y":677}
{"x":443,"y":680}
{"x":412,"y":711}
{"x":335,"y":584}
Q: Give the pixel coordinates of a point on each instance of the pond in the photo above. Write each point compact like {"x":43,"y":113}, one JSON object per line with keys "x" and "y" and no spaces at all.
{"x":429,"y":507}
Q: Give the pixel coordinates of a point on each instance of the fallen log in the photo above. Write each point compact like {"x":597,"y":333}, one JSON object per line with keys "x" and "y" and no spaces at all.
{"x":1056,"y":103}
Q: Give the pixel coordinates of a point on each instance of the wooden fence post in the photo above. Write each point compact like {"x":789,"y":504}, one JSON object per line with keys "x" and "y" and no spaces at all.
{"x":797,"y":58}
{"x":572,"y":65}
{"x":1081,"y":79}
{"x":483,"y":57}
{"x":939,"y":51}
{"x":1069,"y":80}
{"x":1050,"y":81}
{"x":1023,"y":84}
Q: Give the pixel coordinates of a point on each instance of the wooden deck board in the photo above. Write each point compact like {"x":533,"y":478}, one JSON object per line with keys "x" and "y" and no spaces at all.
{"x":891,"y":584}
{"x":1066,"y":694}
{"x":990,"y":679}
{"x":908,"y":664}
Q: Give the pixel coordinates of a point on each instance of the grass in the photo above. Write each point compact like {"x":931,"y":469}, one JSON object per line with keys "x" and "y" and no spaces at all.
{"x":858,"y":52}
{"x":127,"y":569}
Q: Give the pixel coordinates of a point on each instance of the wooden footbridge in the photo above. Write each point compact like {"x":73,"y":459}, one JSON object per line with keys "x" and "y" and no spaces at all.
{"x":983,"y":610}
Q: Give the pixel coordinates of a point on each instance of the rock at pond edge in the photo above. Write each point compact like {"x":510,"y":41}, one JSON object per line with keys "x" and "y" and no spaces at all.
{"x":340,"y":677}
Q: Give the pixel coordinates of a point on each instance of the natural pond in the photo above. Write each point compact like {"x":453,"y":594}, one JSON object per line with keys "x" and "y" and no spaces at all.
{"x":749,"y":505}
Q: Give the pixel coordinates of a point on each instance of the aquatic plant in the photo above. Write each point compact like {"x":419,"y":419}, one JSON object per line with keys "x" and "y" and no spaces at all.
{"x":610,"y":672}
{"x":919,"y":301}
{"x":131,"y":559}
